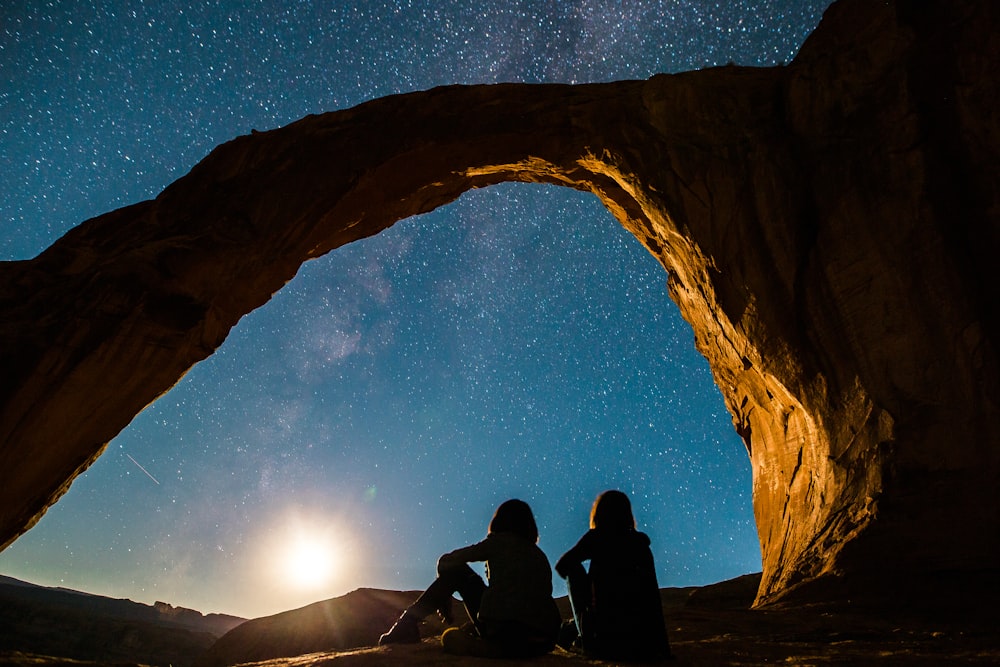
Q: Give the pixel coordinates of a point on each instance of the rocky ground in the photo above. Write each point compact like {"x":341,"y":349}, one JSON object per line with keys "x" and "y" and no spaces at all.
{"x":714,"y":626}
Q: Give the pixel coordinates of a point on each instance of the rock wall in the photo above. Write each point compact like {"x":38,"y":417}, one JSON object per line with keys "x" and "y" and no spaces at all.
{"x":828,"y":229}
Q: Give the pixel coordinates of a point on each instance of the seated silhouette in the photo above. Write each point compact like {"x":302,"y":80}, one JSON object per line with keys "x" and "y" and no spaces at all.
{"x":616,"y":603}
{"x":514,"y":615}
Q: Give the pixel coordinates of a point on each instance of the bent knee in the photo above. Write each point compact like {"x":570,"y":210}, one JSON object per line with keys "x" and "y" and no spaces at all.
{"x":448,"y":566}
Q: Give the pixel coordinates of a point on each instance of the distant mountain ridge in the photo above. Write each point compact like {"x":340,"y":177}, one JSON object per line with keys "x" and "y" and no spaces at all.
{"x":83,"y":626}
{"x":158,"y":612}
{"x":348,"y":621}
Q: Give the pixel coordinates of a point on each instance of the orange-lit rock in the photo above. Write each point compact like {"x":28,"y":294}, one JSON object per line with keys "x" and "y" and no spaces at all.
{"x":829,"y":230}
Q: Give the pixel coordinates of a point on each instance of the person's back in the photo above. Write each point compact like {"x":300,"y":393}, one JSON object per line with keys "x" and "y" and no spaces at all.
{"x":520,"y":583}
{"x":617,"y":603}
{"x":627,"y":616}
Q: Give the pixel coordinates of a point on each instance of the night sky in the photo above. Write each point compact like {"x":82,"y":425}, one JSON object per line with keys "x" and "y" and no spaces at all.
{"x":370,"y":417}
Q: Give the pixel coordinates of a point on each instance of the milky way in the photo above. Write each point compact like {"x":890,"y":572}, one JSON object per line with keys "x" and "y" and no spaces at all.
{"x":516,"y":343}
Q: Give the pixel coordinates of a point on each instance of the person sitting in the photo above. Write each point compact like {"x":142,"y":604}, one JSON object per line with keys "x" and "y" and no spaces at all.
{"x":616,"y":604}
{"x":514,"y":615}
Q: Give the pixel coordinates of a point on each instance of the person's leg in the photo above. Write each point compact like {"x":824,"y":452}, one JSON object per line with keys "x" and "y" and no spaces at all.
{"x":580,"y":597}
{"x":463,"y":580}
{"x":457,"y":579}
{"x":437,"y":597}
{"x":406,"y":628}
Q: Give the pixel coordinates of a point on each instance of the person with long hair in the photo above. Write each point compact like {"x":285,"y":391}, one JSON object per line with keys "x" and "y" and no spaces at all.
{"x":616,"y":603}
{"x":513,"y":615}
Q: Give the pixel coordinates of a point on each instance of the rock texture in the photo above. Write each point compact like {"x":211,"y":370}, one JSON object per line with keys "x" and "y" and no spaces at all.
{"x":828,"y":229}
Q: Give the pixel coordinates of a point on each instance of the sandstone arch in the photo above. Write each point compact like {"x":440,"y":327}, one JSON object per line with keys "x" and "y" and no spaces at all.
{"x":827,"y":227}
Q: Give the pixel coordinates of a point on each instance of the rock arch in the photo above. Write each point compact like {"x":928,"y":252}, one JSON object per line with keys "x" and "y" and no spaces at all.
{"x":827,"y":229}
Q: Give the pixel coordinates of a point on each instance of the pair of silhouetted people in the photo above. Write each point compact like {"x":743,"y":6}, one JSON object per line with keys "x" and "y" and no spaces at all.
{"x":616,"y":604}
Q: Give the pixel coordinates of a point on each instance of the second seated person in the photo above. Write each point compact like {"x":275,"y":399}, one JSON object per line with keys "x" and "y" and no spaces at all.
{"x":616,"y":604}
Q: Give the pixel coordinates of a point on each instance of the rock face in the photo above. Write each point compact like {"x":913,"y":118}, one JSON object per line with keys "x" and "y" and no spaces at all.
{"x":828,"y":229}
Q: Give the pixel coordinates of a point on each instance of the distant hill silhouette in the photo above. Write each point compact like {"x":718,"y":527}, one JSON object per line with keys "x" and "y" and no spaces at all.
{"x":349,"y":621}
{"x":82,"y":626}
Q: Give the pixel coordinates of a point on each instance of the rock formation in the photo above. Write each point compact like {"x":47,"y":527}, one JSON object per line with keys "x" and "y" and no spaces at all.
{"x":828,"y":229}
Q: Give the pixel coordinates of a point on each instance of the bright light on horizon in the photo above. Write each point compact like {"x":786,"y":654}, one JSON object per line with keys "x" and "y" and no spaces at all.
{"x":304,"y":556}
{"x":309,"y":562}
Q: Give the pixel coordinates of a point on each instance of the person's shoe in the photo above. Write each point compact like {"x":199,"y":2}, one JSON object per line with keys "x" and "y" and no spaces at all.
{"x":405,"y":631}
{"x":568,"y":638}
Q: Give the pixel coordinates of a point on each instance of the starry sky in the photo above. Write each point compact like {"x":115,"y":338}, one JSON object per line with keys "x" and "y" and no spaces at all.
{"x":371,"y":416}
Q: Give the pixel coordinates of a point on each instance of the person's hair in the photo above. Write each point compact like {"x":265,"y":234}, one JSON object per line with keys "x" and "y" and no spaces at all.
{"x":514,"y":516}
{"x":612,"y":510}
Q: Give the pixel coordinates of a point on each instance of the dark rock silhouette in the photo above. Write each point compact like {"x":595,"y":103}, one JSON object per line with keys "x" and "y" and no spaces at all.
{"x":828,"y":228}
{"x":349,"y":621}
{"x":80,"y":626}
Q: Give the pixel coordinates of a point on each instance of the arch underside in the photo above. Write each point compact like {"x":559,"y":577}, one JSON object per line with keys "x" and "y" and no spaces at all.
{"x":844,"y":376}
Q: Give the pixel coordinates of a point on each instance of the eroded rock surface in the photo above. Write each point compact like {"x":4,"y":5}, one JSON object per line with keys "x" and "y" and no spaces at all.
{"x":828,"y":228}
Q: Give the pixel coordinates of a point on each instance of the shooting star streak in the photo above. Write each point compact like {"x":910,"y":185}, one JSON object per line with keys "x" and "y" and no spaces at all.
{"x":141,"y":468}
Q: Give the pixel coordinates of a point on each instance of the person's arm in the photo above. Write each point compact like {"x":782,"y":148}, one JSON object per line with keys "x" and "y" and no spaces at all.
{"x":473,"y":553}
{"x":580,"y":552}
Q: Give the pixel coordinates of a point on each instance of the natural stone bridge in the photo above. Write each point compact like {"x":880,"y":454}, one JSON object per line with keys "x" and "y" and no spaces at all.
{"x":828,"y":228}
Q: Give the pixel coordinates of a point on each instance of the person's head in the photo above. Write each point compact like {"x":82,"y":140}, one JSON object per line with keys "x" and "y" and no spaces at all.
{"x":612,"y":511}
{"x":514,"y":516}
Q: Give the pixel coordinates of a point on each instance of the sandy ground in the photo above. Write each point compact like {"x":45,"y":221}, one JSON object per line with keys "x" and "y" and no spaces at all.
{"x":714,"y":626}
{"x":732,"y":639}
